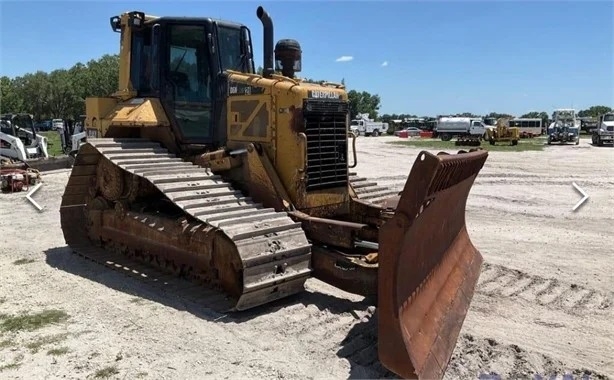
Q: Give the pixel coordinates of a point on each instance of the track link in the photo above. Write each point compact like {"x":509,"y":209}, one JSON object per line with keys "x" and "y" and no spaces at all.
{"x":370,"y":191}
{"x":274,"y":251}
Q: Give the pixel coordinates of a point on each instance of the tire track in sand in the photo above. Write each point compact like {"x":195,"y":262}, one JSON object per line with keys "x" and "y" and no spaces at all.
{"x":485,"y":358}
{"x":500,"y":281}
{"x":340,"y":327}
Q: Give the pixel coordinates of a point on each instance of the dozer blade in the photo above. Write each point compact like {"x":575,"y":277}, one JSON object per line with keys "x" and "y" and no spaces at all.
{"x":428,"y":267}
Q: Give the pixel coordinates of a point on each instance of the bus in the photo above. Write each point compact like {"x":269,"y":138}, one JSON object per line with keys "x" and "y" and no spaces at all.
{"x":528,"y":127}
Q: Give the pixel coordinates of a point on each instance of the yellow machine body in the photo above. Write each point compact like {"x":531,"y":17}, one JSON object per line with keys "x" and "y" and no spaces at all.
{"x":502,"y":132}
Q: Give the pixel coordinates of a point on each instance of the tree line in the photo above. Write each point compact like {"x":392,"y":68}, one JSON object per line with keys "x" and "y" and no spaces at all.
{"x":61,"y":94}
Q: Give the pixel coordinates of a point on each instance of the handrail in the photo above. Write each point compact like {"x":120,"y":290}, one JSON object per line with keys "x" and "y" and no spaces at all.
{"x":353,"y":136}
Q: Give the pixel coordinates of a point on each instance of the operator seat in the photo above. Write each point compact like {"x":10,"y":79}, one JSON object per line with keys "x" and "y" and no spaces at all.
{"x":181,"y":85}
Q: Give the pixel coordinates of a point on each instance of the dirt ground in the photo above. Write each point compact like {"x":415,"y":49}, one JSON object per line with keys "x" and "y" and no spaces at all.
{"x":543,"y":303}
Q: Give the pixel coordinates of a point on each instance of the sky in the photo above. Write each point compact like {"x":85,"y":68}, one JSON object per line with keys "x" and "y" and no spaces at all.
{"x":420,"y":57}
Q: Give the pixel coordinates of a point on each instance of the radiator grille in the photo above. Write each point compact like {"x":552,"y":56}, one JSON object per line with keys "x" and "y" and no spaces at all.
{"x":326,"y":130}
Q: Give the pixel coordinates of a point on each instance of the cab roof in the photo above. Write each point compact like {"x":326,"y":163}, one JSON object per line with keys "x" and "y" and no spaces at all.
{"x":192,"y":20}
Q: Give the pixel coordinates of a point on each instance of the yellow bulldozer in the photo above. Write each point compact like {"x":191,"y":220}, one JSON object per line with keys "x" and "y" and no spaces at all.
{"x":241,"y":182}
{"x":502,"y":132}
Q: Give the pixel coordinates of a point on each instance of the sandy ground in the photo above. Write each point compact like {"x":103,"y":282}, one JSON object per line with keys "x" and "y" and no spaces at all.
{"x":543,"y":304}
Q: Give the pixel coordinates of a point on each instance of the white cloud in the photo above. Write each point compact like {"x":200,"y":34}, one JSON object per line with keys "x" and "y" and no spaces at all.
{"x":344,"y":58}
{"x":385,"y":63}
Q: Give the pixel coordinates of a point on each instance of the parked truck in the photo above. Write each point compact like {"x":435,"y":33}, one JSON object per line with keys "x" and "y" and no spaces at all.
{"x":565,"y":127}
{"x":362,"y":125}
{"x":589,"y":124}
{"x":467,"y":130}
{"x":604,"y":133}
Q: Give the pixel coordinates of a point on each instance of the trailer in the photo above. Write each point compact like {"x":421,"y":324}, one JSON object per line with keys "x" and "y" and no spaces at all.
{"x":467,"y":130}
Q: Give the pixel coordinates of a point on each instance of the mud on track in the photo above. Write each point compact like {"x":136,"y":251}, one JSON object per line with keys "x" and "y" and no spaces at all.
{"x":543,"y":305}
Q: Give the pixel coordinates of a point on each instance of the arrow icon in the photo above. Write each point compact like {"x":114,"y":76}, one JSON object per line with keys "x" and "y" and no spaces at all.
{"x":29,"y":197}
{"x":581,"y":201}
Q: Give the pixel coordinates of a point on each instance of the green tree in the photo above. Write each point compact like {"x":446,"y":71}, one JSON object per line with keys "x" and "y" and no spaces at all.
{"x":10,"y":98}
{"x":498,"y":115}
{"x":34,"y":89}
{"x":103,"y":76}
{"x":467,"y":114}
{"x":363,"y":102}
{"x":594,"y":111}
{"x":61,"y":95}
{"x":79,"y":74}
{"x":386,"y":118}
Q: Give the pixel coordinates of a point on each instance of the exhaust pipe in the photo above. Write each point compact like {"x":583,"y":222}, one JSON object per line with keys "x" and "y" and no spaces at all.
{"x":267,"y":24}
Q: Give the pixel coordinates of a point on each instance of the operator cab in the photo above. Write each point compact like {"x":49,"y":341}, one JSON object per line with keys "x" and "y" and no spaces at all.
{"x":19,"y":125}
{"x":181,"y":61}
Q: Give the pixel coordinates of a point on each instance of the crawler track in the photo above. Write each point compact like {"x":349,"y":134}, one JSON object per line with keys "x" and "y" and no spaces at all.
{"x":273,"y":250}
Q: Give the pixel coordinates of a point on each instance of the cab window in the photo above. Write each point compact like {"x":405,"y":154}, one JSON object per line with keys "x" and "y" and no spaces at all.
{"x":188,"y":64}
{"x":140,"y":65}
{"x":190,"y":80}
{"x":230,"y":48}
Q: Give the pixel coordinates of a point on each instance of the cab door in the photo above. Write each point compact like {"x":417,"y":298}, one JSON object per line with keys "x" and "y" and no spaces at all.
{"x":477,"y":128}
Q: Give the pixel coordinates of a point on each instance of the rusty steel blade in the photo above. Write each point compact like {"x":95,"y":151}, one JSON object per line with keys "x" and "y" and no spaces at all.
{"x":428,"y":267}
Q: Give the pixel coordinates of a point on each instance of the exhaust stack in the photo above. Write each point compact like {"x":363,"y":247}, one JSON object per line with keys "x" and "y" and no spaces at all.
{"x":267,"y":24}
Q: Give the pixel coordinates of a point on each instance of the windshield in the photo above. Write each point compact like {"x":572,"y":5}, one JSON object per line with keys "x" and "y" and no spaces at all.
{"x":354,"y":122}
{"x":608,"y":117}
{"x":26,"y":122}
{"x":565,"y":115}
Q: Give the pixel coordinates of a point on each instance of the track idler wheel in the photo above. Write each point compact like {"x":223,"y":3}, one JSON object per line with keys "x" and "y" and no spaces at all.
{"x":110,"y":180}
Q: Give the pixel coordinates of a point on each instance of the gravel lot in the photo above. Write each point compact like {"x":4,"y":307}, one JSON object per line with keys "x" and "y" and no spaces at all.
{"x":543,"y":304}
